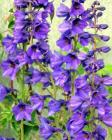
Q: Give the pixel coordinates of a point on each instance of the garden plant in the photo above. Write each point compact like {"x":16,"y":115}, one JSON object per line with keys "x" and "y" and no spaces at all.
{"x":60,"y":94}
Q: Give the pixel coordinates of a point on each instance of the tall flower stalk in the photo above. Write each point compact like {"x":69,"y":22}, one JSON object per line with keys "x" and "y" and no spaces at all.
{"x":89,"y":101}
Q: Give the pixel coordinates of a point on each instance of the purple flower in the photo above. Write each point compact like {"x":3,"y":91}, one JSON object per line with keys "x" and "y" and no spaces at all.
{"x":65,"y":42}
{"x":40,"y":2}
{"x":72,"y":61}
{"x":81,"y":81}
{"x":56,"y":60}
{"x":76,"y":9}
{"x":63,"y":11}
{"x":76,"y":123}
{"x":21,"y":3}
{"x":41,"y":30}
{"x":100,"y":133}
{"x":21,"y":27}
{"x":107,"y":119}
{"x":104,"y":49}
{"x":34,"y":53}
{"x":54,"y":106}
{"x":8,"y":43}
{"x":78,"y":26}
{"x":50,"y":9}
{"x":4,"y":91}
{"x":84,"y":38}
{"x":60,"y":76}
{"x":107,"y":81}
{"x":102,"y":26}
{"x":104,"y":38}
{"x":46,"y":130}
{"x":65,"y":27}
{"x":22,"y":58}
{"x":38,"y":101}
{"x":22,"y":111}
{"x":91,"y":65}
{"x":10,"y":68}
{"x":33,"y":77}
{"x":82,"y":136}
{"x":74,"y":103}
{"x":40,"y":16}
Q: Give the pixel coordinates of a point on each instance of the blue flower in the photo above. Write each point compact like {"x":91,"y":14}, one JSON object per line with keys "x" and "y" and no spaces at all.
{"x":22,"y":111}
{"x":46,"y":129}
{"x":4,"y":91}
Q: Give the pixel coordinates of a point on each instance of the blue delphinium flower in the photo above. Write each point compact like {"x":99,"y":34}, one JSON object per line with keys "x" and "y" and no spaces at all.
{"x":22,"y":111}
{"x":61,"y":76}
{"x":38,"y":101}
{"x":41,"y":30}
{"x":63,"y":11}
{"x":46,"y":129}
{"x":4,"y":91}
{"x":76,"y":123}
{"x":8,"y":43}
{"x":76,"y":9}
{"x":10,"y":68}
{"x":65,"y":42}
{"x":54,"y":106}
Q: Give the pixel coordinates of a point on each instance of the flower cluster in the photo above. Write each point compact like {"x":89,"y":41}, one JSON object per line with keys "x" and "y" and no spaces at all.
{"x":89,"y":101}
{"x":73,"y":101}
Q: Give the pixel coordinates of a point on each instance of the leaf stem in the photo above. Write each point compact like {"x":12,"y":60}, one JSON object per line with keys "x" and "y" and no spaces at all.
{"x":22,"y":130}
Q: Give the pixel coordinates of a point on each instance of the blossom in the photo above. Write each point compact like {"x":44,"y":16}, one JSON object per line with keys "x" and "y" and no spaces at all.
{"x":60,"y":76}
{"x":78,"y":25}
{"x":34,"y":53}
{"x":35,"y":76}
{"x":4,"y":91}
{"x":63,"y":11}
{"x":41,"y":30}
{"x":38,"y":101}
{"x":54,"y":106}
{"x":22,"y":111}
{"x":10,"y":68}
{"x":76,"y":9}
{"x":65,"y":42}
{"x":100,"y":133}
{"x":21,"y":26}
{"x":56,"y":60}
{"x":8,"y":43}
{"x":84,"y":38}
{"x":46,"y":129}
{"x":72,"y":61}
{"x":83,"y":136}
{"x":75,"y":123}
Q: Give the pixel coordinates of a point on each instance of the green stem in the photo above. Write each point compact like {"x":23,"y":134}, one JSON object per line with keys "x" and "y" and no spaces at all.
{"x":54,"y":87}
{"x":73,"y":86}
{"x":22,"y":131}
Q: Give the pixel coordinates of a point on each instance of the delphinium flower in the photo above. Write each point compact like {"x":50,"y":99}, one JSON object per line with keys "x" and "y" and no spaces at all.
{"x":22,"y":111}
{"x":4,"y":91}
{"x":46,"y":129}
{"x":88,"y":98}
